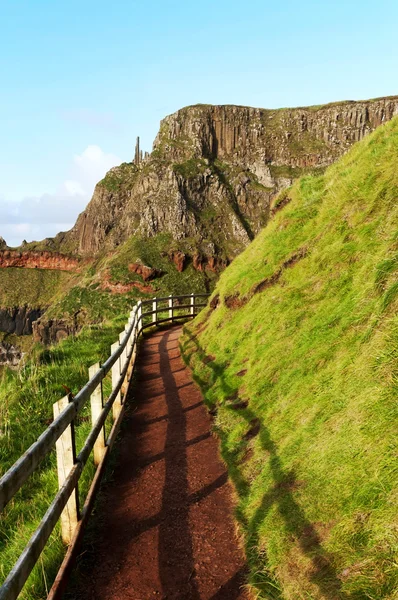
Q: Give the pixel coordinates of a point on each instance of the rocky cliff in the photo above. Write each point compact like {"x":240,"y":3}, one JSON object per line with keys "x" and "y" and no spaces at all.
{"x":171,"y":221}
{"x":213,"y":172}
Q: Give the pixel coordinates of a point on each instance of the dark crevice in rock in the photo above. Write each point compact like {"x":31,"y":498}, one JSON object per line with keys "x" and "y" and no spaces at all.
{"x":19,"y":319}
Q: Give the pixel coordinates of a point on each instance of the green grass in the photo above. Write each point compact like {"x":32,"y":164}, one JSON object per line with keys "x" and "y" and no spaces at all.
{"x":90,"y":304}
{"x":153,"y":252}
{"x":119,"y":177}
{"x":35,"y":287}
{"x":293,"y":172}
{"x":191,"y":168}
{"x":312,"y":449}
{"x":26,"y":399}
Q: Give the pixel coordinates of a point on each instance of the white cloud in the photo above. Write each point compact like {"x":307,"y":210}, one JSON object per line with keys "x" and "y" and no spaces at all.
{"x":44,"y":216}
{"x":91,"y":165}
{"x":73,"y":188}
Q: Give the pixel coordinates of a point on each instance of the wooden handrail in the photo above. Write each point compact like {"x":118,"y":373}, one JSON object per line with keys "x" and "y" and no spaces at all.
{"x":124,"y":356}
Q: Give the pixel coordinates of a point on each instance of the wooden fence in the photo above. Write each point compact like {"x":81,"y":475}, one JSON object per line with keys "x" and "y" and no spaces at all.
{"x":65,"y":505}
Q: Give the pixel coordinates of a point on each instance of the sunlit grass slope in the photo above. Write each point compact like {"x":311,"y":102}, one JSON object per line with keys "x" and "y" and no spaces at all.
{"x":302,"y":373}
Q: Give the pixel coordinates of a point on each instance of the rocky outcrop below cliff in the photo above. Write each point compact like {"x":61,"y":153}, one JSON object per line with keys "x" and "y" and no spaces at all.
{"x":10,"y":355}
{"x":213,"y":173}
{"x":19,"y":319}
{"x":52,"y":331}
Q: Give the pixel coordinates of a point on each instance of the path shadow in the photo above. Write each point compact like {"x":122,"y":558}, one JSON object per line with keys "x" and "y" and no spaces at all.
{"x":170,"y":543}
{"x":323,"y":573}
{"x":176,"y":560}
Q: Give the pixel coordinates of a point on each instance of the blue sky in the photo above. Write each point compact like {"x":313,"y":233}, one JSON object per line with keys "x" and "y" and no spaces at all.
{"x":80,"y":80}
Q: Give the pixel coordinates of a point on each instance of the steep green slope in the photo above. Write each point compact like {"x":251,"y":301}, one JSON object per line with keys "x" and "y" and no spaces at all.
{"x":298,"y":358}
{"x":33,"y":287}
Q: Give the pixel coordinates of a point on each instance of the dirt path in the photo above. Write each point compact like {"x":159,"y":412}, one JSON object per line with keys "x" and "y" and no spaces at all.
{"x":168,"y":531}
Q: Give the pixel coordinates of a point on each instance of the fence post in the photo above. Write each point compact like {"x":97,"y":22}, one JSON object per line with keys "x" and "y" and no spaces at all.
{"x":139,"y":315}
{"x":126,"y":330}
{"x":97,"y":404}
{"x":134,"y":336}
{"x":117,"y":405}
{"x":123,"y":360}
{"x":123,"y":356}
{"x":192,"y":304}
{"x":66,"y":458}
{"x":171,"y":312}
{"x":154,"y":309}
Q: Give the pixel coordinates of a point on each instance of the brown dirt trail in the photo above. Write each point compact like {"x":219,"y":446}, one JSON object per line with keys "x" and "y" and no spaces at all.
{"x":167,"y":532}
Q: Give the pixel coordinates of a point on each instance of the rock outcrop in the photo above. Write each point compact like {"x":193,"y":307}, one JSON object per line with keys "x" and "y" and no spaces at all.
{"x":147,"y":273}
{"x":193,"y":204}
{"x":19,"y":320}
{"x":52,"y":331}
{"x":10,"y":355}
{"x":37,"y":260}
{"x":213,"y":172}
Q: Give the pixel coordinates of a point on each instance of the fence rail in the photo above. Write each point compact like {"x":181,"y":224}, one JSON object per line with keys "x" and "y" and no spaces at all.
{"x":60,"y":434}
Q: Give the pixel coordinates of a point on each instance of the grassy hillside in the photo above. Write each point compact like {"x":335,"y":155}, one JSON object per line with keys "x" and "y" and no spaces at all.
{"x":298,"y":359}
{"x":33,"y":287}
{"x":26,"y":399}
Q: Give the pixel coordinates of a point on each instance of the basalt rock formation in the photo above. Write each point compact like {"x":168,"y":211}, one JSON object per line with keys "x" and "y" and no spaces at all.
{"x":19,"y":320}
{"x":147,"y":273}
{"x":213,"y":172}
{"x":52,"y":331}
{"x":10,"y":355}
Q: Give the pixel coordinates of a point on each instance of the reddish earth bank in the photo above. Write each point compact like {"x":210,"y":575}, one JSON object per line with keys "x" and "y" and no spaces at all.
{"x":123,"y":288}
{"x":212,"y":263}
{"x":38,"y":260}
{"x":178,"y":258}
{"x":164,"y":528}
{"x":147,"y":273}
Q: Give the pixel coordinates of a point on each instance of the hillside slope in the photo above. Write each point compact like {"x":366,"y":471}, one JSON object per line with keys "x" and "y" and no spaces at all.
{"x":298,"y":358}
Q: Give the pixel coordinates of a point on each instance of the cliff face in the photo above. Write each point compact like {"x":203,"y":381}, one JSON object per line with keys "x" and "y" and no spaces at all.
{"x":255,"y":137}
{"x":213,"y":172}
